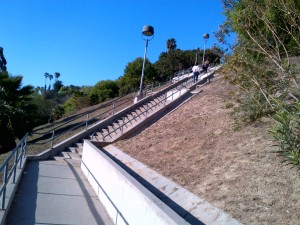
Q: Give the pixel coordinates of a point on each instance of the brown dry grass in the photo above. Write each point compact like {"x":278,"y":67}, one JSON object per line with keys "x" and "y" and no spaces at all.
{"x":238,"y":171}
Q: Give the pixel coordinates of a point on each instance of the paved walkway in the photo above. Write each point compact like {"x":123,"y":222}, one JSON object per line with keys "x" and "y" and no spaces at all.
{"x":55,"y":193}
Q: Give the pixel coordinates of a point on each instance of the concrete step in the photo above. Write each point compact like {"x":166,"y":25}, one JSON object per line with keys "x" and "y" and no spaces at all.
{"x":60,"y":159}
{"x":71,"y":155}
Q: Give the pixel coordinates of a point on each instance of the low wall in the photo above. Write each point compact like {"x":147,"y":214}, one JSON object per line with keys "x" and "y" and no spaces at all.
{"x":126,"y":200}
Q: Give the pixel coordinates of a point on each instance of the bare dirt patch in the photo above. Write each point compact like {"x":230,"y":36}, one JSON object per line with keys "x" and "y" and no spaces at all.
{"x":197,"y":146}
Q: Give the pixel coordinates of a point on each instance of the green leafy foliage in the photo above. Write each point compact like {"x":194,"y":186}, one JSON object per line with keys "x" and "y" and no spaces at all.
{"x":287,"y":132}
{"x":130,"y":81}
{"x":16,"y":111}
{"x":268,"y":34}
{"x":104,"y":90}
{"x":78,"y":101}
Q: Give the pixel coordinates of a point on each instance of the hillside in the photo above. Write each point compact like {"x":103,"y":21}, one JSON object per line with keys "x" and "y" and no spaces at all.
{"x":235,"y":168}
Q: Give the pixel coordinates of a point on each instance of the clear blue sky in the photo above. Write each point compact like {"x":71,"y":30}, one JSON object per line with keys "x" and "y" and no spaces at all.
{"x":92,"y":40}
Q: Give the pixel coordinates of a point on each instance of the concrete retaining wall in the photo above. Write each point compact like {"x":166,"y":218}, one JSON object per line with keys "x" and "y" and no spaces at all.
{"x":126,"y":200}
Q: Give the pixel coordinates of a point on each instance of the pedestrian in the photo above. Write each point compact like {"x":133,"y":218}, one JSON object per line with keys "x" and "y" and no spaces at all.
{"x":205,"y":66}
{"x":196,"y":71}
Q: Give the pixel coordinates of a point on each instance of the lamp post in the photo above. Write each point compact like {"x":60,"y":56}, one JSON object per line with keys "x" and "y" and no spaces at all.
{"x":148,"y":31}
{"x":196,"y":60}
{"x":205,"y":36}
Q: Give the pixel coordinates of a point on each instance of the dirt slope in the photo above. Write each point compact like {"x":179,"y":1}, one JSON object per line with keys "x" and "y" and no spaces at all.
{"x":196,"y":146}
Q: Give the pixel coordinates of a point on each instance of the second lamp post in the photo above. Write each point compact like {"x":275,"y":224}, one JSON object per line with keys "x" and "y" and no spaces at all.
{"x":205,"y":36}
{"x":148,"y":31}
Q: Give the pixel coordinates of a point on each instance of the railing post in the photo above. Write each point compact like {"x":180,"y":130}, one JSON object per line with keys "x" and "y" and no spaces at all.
{"x":113,"y":108}
{"x":87,"y":120}
{"x":25,"y":146}
{"x":53,"y":132}
{"x":16,"y":163}
{"x":122,"y":125}
{"x":22,"y":154}
{"x":4,"y":187}
{"x":146,"y":110}
{"x":165,"y":98}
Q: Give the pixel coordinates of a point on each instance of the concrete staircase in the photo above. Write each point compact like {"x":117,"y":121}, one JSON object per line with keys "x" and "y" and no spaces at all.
{"x":130,"y":120}
{"x":119,"y":128}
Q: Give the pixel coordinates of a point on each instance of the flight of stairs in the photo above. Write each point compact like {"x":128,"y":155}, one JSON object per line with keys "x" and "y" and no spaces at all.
{"x":127,"y":122}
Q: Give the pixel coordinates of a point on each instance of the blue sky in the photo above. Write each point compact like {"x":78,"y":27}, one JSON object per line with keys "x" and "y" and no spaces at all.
{"x":92,"y":40}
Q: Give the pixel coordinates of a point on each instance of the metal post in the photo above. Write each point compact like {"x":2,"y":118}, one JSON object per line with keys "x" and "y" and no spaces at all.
{"x":24,"y":146}
{"x":4,"y":188}
{"x":22,"y":154}
{"x":86,"y":122}
{"x":205,"y":36}
{"x":53,"y":132}
{"x":113,"y":108}
{"x":16,"y":164}
{"x":140,"y":93}
{"x":196,"y":60}
{"x":122,"y":125}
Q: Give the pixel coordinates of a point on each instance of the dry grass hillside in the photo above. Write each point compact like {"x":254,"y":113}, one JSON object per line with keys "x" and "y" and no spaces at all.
{"x":237,"y":170}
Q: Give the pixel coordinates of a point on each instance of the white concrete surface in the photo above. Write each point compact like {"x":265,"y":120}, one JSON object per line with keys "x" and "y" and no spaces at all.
{"x":132,"y":200}
{"x":197,"y":207}
{"x":55,"y":192}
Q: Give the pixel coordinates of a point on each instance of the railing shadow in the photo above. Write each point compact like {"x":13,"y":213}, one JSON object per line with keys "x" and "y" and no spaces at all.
{"x":23,"y":207}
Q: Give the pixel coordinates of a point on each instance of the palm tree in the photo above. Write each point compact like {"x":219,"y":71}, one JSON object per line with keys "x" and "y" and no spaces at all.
{"x":171,"y":44}
{"x":2,"y":61}
{"x":14,"y":111}
{"x":57,"y":75}
{"x":46,"y":76}
{"x":50,"y":78}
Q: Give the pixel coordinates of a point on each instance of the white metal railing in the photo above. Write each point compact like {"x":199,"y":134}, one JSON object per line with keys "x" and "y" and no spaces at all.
{"x":9,"y":171}
{"x":54,"y":133}
{"x":142,"y":111}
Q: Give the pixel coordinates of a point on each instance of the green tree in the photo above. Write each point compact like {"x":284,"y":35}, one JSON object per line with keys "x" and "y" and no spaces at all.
{"x":2,"y":61}
{"x":130,"y":81}
{"x":171,"y":44}
{"x":104,"y":90}
{"x":50,"y":78}
{"x":57,"y":86}
{"x":46,"y":75}
{"x":57,"y":75}
{"x":16,"y":111}
{"x":268,"y":34}
{"x":173,"y":61}
{"x":78,"y":101}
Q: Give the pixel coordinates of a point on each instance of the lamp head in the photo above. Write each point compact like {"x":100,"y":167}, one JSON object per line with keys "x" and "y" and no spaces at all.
{"x":206,"y":36}
{"x":148,"y":30}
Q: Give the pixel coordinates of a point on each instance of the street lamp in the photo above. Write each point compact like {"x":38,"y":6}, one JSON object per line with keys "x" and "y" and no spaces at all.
{"x":196,"y":60}
{"x":148,"y":31}
{"x":205,"y":36}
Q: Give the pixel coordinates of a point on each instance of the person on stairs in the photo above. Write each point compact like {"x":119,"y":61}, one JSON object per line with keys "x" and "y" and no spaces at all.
{"x":196,"y":71}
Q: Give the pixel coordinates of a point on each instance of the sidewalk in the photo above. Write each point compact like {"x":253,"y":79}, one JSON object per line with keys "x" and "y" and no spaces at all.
{"x":55,"y":192}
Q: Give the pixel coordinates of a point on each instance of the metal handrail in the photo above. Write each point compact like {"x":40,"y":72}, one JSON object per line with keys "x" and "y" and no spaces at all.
{"x":138,"y":114}
{"x":9,"y":172}
{"x":86,"y":123}
{"x":84,"y":114}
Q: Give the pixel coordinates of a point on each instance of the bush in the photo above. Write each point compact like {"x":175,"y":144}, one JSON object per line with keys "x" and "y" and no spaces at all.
{"x":252,"y":107}
{"x":287,"y":132}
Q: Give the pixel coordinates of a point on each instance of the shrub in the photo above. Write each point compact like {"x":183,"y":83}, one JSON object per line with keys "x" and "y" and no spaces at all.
{"x":287,"y":132}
